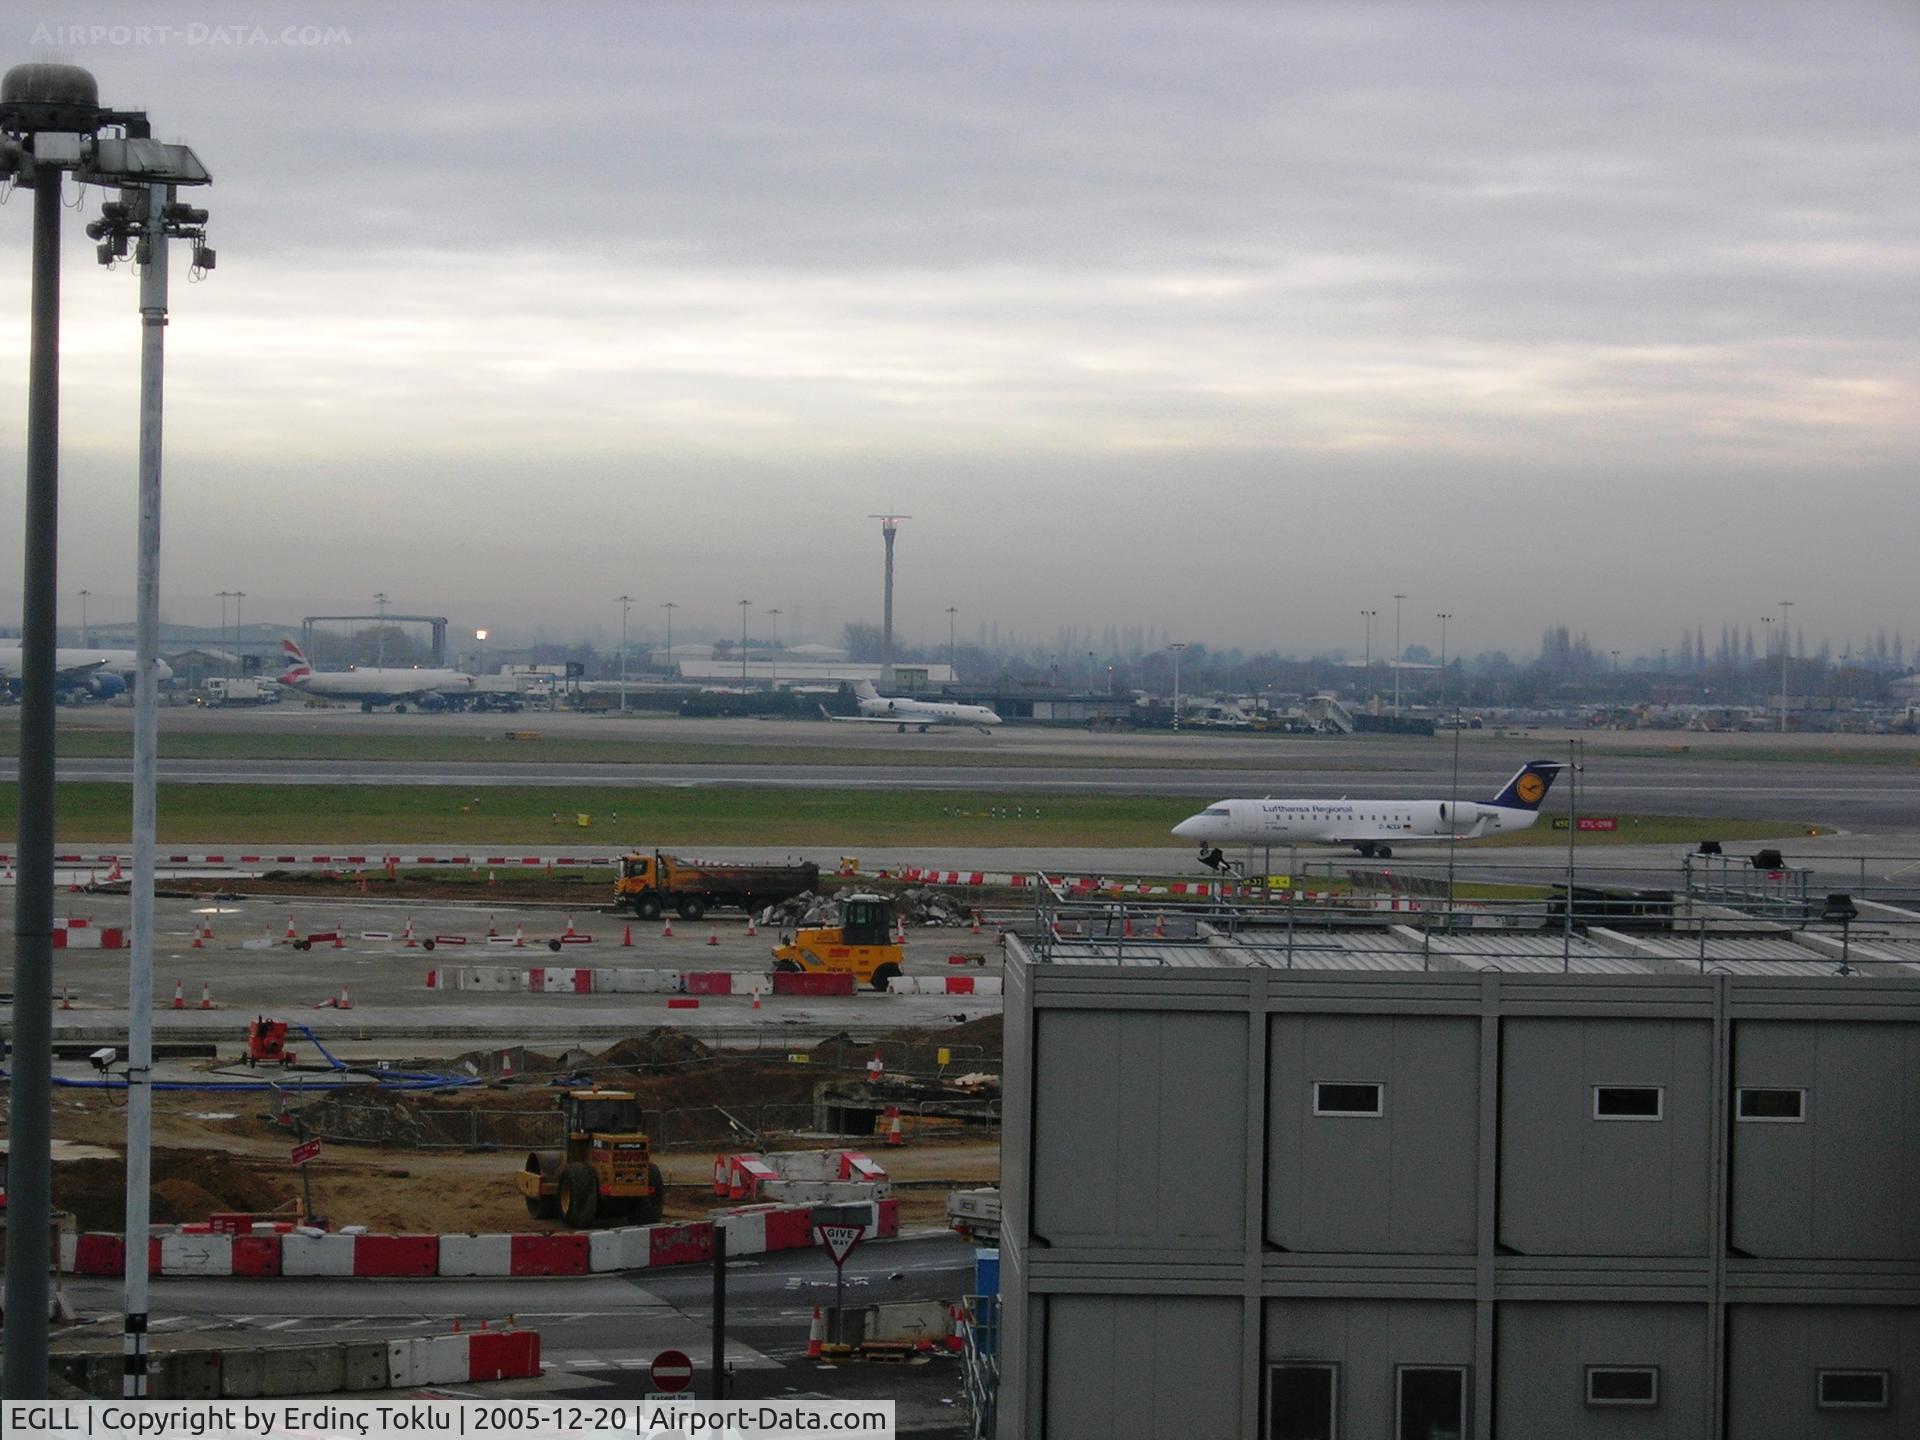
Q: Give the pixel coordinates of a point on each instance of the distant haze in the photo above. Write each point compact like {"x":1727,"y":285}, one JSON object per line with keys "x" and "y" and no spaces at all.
{"x":1224,"y":320}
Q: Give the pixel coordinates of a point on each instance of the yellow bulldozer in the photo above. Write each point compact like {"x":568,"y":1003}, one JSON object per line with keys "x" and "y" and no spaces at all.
{"x":862,"y":944}
{"x":606,"y":1173}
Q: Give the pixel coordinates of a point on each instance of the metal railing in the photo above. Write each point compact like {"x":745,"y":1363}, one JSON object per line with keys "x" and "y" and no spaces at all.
{"x":980,"y":1361}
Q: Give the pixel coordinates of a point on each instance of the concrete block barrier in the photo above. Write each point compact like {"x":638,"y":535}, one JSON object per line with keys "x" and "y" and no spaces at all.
{"x":188,"y":1374}
{"x":317,"y":1254}
{"x":503,"y":1354}
{"x":396,"y":1255}
{"x":888,"y":1224}
{"x":746,"y":1230}
{"x":302,"y":1369}
{"x":550,"y":1255}
{"x":243,"y":1373}
{"x":606,"y":1250}
{"x":406,"y":1363}
{"x":476,"y":1255}
{"x":707,"y":982}
{"x":786,"y":982}
{"x":256,"y":1255}
{"x":447,"y":1359}
{"x":96,"y":1254}
{"x":790,"y":1227}
{"x":682,"y":1244}
{"x":183,"y":1254}
{"x":364,"y":1363}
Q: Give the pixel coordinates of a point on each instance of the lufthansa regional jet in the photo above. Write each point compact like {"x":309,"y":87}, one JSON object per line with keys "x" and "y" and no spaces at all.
{"x":1373,"y":827}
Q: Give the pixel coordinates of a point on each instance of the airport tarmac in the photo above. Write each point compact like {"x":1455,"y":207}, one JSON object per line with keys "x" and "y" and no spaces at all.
{"x":249,"y":969}
{"x":1855,"y":783}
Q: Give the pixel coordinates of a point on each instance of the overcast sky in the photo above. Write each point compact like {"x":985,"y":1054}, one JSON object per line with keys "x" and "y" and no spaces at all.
{"x":1229,"y":320}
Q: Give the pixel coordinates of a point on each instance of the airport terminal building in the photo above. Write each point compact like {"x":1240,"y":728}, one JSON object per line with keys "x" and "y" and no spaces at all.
{"x":1304,"y":1204}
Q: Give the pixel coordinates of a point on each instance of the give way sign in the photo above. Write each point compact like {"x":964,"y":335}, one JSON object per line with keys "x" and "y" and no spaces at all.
{"x":840,"y":1240}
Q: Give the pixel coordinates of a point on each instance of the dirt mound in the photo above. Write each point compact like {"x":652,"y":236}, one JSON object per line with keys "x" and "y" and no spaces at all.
{"x":656,"y":1052}
{"x":187,"y":1185}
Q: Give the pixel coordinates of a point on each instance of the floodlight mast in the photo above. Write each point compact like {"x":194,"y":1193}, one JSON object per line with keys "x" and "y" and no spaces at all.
{"x":51,"y":121}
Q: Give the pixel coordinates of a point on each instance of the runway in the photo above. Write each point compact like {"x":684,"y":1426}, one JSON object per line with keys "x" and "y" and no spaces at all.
{"x":1860,"y":797}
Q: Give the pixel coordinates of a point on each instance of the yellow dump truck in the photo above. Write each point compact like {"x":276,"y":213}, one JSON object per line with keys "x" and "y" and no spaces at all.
{"x":862,"y":944}
{"x":650,"y":881}
{"x":605,"y":1173}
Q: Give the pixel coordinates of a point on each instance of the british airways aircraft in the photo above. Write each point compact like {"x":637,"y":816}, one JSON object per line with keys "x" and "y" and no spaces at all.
{"x":1373,"y":827}
{"x":86,"y":674}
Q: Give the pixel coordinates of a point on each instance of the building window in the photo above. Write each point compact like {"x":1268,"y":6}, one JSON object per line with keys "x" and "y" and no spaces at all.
{"x":1852,"y":1389}
{"x":1628,"y":1102}
{"x":1302,"y":1402}
{"x":1431,"y":1403}
{"x":1348,"y":1097}
{"x":1623,"y":1385}
{"x":1778,"y":1106}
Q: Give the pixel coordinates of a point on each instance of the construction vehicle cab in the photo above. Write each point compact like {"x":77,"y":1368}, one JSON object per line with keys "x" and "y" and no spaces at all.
{"x":862,"y":944}
{"x":605,"y":1173}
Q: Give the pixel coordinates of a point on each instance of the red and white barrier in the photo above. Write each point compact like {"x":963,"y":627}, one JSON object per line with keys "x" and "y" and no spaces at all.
{"x":82,"y":934}
{"x":269,"y":1252}
{"x":458,"y":1359}
{"x":944,"y":985}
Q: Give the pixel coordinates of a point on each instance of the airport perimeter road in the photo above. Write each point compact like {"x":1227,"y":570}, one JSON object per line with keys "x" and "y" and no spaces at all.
{"x":1852,"y":796}
{"x":599,"y":1333}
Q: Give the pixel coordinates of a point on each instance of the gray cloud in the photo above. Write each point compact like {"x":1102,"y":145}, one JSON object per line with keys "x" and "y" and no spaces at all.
{"x":1230,"y":319}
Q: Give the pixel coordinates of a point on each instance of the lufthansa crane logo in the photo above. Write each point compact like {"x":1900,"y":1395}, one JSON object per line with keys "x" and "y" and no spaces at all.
{"x":1531,"y":788}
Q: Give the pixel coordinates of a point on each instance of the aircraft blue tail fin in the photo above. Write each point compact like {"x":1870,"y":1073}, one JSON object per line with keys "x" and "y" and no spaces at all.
{"x":1529,"y":785}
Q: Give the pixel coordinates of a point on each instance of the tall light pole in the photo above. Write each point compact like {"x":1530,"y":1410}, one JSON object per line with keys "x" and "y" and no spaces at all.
{"x":1090,"y":672}
{"x":743,"y":640}
{"x":481,"y":636}
{"x":1443,"y":616}
{"x":1177,"y":646}
{"x":1786,"y":643}
{"x":1396,"y":655}
{"x":225,"y":655}
{"x":86,"y":634}
{"x":1366,"y":672}
{"x":380,"y":632}
{"x":625,"y":603}
{"x":239,"y":596}
{"x":51,"y":121}
{"x":953,"y":670}
{"x":773,"y":654}
{"x":669,"y":606}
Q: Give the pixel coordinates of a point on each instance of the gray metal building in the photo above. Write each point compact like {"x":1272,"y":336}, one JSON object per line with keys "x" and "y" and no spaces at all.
{"x":1338,"y":1202}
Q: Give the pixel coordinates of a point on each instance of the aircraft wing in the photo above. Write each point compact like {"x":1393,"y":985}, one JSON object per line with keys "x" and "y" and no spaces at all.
{"x":73,"y":674}
{"x":826,"y":714}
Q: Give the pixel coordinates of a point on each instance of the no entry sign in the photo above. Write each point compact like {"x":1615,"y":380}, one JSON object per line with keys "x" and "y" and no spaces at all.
{"x":672,"y":1371}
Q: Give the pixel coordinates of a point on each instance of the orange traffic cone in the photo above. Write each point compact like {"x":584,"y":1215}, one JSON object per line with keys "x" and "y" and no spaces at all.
{"x":626,"y":938}
{"x":756,"y":997}
{"x":894,"y":1137}
{"x":817,"y":1335}
{"x":520,"y":937}
{"x":346,"y":1000}
{"x":875,"y":1069}
{"x":506,"y":1064}
{"x":291,"y":934}
{"x":66,"y":1000}
{"x":666,"y":927}
{"x":114,"y":873}
{"x":339,"y":936}
{"x":199,"y":943}
{"x":976,"y":924}
{"x":407,"y":935}
{"x":1160,"y":927}
{"x":1126,"y":927}
{"x":569,"y":930}
{"x":752,"y":929}
{"x":179,"y":994}
{"x":492,"y":929}
{"x":900,"y":931}
{"x":956,"y":1324}
{"x":206,"y":995}
{"x":713,"y":935}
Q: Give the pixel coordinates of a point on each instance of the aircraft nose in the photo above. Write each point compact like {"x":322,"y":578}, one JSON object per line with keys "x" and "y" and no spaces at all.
{"x":1188,"y":829}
